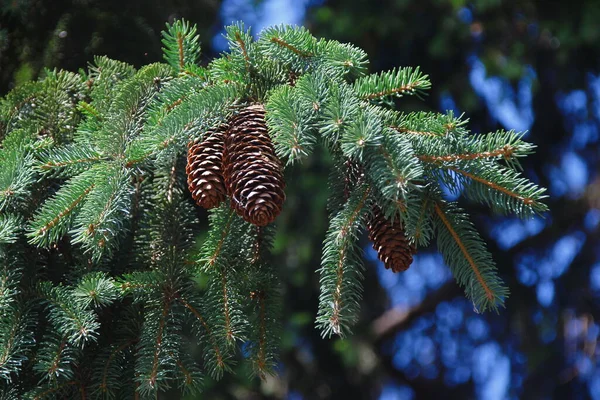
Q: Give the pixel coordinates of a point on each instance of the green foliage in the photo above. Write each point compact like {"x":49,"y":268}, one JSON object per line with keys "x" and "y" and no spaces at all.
{"x":182,"y":44}
{"x":341,"y":273}
{"x":97,"y":230}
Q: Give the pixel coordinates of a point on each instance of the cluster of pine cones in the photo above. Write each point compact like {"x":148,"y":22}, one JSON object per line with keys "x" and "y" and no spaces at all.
{"x":238,"y":160}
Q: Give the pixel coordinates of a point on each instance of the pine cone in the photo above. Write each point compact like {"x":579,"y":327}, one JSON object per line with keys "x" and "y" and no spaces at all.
{"x":253,"y":173}
{"x":205,"y":170}
{"x":393,"y":249}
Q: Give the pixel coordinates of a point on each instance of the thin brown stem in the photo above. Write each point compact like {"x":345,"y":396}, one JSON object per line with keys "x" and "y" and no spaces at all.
{"x":488,"y":292}
{"x":400,"y":89}
{"x":65,"y":212}
{"x":526,"y":200}
{"x":505,"y":151}
{"x":180,"y":48}
{"x":288,"y":46}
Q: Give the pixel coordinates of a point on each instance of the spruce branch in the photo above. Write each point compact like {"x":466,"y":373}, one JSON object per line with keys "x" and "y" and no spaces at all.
{"x":217,"y":355}
{"x":181,"y":44}
{"x":95,"y":289}
{"x":288,"y":44}
{"x":395,"y":83}
{"x":341,"y":60}
{"x":57,"y":214}
{"x":418,"y":220}
{"x":16,"y":172}
{"x":341,"y":267}
{"x":467,"y":256}
{"x":502,"y":189}
{"x":240,"y":43}
{"x":338,"y":113}
{"x":17,"y":323}
{"x":265,"y":301}
{"x":55,"y":360}
{"x":102,"y":217}
{"x":292,"y":113}
{"x":421,"y":126}
{"x":106,"y":77}
{"x":219,"y":257}
{"x":364,"y":133}
{"x":199,"y":113}
{"x":54,"y":390}
{"x":10,"y":228}
{"x":506,"y":146}
{"x":68,"y":161}
{"x":75,"y":324}
{"x":392,"y":167}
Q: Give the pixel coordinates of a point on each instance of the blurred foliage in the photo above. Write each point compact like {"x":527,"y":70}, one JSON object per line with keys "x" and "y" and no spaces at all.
{"x":440,"y":35}
{"x":553,"y":45}
{"x":37,"y":34}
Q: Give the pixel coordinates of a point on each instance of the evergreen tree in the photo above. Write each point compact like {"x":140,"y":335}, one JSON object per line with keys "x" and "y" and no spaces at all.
{"x":103,"y":275}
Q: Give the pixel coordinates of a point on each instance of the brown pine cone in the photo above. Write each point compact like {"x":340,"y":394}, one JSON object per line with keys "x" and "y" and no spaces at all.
{"x":390,"y":242}
{"x":205,"y":170}
{"x":253,"y":173}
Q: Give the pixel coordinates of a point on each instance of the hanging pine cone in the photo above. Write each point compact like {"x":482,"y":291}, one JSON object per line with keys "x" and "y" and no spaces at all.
{"x":205,"y":170}
{"x":390,"y":242}
{"x":253,"y":173}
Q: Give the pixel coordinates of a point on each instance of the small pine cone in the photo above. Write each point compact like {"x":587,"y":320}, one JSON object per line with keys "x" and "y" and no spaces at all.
{"x":253,"y":173}
{"x":205,"y":170}
{"x":390,"y":242}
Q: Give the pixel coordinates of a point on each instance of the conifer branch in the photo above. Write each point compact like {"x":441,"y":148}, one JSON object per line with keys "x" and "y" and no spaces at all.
{"x":212,"y":259}
{"x":158,"y":343}
{"x":58,"y":388}
{"x":113,"y":354}
{"x":240,"y":41}
{"x":88,"y":109}
{"x":224,"y":286}
{"x":214,"y":344}
{"x":413,"y":132}
{"x":290,"y":47}
{"x":420,"y":234}
{"x":474,"y":268}
{"x":526,"y":200}
{"x":53,"y":370}
{"x":488,"y":292}
{"x":69,"y":318}
{"x":340,"y":271}
{"x":262,"y":338}
{"x":51,"y":164}
{"x":393,"y":83}
{"x":506,"y":152}
{"x":10,"y":227}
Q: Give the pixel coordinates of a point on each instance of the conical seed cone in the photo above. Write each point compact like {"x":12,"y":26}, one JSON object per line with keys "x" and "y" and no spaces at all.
{"x":253,"y":173}
{"x":205,"y":170}
{"x":390,"y":242}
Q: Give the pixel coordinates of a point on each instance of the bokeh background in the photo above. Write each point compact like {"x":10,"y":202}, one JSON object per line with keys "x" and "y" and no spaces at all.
{"x":526,"y":65}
